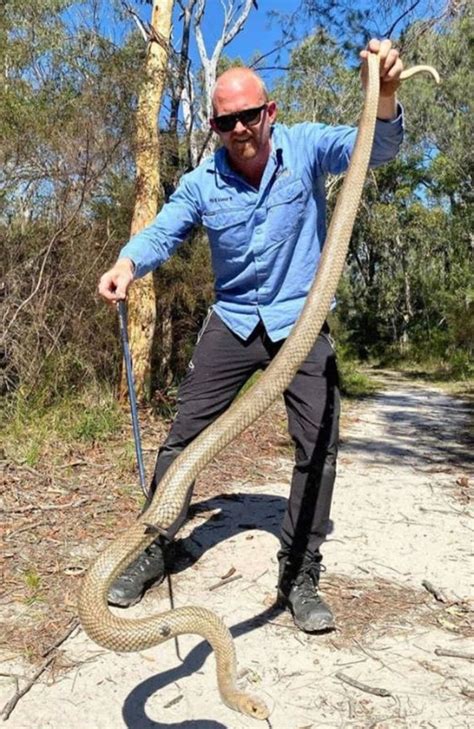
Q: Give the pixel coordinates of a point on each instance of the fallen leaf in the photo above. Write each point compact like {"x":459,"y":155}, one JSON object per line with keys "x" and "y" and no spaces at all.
{"x":74,"y":570}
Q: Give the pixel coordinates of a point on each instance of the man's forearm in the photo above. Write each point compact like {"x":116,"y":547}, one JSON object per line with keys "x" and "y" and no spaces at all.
{"x":387,"y":108}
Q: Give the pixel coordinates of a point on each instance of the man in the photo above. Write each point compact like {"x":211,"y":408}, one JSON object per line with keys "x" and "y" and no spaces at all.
{"x":261,"y":198}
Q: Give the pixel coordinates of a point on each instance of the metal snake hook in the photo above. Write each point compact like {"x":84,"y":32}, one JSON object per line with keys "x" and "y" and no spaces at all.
{"x":122,"y":312}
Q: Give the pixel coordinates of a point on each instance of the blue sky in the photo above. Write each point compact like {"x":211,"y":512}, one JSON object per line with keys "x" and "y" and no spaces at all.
{"x":260,"y":33}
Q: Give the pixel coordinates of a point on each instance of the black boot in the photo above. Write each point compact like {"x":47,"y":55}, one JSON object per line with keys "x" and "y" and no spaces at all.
{"x":146,"y":570}
{"x":297,"y":590}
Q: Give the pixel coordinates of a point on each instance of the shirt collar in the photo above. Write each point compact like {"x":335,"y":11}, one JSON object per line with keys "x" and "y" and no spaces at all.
{"x":219,"y":161}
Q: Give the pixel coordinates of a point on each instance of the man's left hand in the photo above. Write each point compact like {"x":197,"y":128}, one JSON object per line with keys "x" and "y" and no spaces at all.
{"x":391,"y":66}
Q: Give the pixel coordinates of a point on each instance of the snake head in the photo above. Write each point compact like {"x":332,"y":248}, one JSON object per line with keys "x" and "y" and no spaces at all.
{"x":250,"y":705}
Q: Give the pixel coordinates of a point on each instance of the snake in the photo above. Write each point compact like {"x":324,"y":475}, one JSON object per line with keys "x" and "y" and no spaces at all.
{"x":121,"y":634}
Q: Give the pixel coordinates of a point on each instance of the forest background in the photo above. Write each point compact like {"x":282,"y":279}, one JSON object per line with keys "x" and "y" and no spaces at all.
{"x":71,"y":77}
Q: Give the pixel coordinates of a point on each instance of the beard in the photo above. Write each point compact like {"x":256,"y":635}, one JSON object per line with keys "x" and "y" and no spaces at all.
{"x":245,"y":149}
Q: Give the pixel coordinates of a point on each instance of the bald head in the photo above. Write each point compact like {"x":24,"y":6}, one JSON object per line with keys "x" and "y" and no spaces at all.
{"x":238,"y":83}
{"x":243,"y":117}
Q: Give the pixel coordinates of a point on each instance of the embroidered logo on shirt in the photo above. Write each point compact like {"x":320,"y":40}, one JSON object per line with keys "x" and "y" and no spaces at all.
{"x":219,"y":199}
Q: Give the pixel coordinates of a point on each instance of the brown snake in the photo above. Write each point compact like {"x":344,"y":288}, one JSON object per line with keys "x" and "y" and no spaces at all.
{"x":122,"y":634}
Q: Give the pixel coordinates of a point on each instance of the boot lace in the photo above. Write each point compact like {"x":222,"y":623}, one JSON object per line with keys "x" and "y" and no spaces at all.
{"x":307,"y":579}
{"x":150,"y":559}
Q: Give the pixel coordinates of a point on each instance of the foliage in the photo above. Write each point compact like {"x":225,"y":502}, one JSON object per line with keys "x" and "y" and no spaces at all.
{"x":64,"y":123}
{"x":67,"y":100}
{"x":318,"y":85}
{"x":354,"y":383}
{"x":408,"y":288}
{"x":185,"y":283}
{"x":33,"y":426}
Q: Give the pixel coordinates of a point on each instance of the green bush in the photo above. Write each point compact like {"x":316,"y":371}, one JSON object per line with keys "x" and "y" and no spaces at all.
{"x":353,"y":381}
{"x":32,"y":427}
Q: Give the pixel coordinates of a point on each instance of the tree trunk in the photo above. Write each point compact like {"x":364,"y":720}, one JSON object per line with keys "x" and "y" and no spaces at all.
{"x":141,"y":307}
{"x":408,"y":312}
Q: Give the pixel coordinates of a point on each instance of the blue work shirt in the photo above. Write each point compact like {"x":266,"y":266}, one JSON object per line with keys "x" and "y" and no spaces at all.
{"x":265,"y":242}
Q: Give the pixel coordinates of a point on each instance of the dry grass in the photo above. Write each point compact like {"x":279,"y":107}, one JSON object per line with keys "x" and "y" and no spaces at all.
{"x":58,"y":515}
{"x":363,"y":605}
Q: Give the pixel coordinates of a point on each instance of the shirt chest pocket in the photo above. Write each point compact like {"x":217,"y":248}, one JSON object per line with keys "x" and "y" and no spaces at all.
{"x":285,"y":208}
{"x":227,"y":229}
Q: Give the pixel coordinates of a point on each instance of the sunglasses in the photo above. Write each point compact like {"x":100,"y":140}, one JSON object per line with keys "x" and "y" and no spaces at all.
{"x":247,"y":117}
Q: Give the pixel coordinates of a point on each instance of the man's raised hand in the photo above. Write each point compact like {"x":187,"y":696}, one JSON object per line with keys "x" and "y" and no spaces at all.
{"x":391,"y":65}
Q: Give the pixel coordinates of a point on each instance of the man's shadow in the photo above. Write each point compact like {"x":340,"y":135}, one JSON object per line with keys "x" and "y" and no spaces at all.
{"x":228,"y":515}
{"x":232,"y":514}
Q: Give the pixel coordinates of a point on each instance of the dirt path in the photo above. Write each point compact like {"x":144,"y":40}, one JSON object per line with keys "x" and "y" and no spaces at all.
{"x":400,"y":517}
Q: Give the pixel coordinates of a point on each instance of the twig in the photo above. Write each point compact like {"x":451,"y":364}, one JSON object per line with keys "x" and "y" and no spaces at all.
{"x":49,"y":656}
{"x":14,"y":677}
{"x":25,"y":467}
{"x":24,"y":528}
{"x":454,"y":653}
{"x":137,"y":20}
{"x":40,"y":277}
{"x":437,"y":594}
{"x":375,"y":658}
{"x":225,"y":582}
{"x":362,"y":686}
{"x":442,"y":511}
{"x":73,"y":464}
{"x":282,"y":625}
{"x":173,"y":701}
{"x":72,"y":627}
{"x":10,"y":705}
{"x":467,"y":692}
{"x":47,"y":507}
{"x":389,"y":32}
{"x":20,"y":509}
{"x":229,"y":573}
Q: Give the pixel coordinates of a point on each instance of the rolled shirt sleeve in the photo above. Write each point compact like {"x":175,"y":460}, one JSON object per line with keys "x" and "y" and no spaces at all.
{"x":388,"y":139}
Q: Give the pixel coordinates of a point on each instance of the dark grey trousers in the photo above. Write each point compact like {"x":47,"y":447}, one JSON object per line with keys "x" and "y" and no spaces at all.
{"x":221,"y":364}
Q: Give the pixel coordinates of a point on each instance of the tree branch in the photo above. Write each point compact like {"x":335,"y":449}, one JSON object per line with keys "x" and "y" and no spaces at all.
{"x":269,"y":53}
{"x":389,"y":32}
{"x":49,"y":656}
{"x":239,"y":23}
{"x":137,"y":20}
